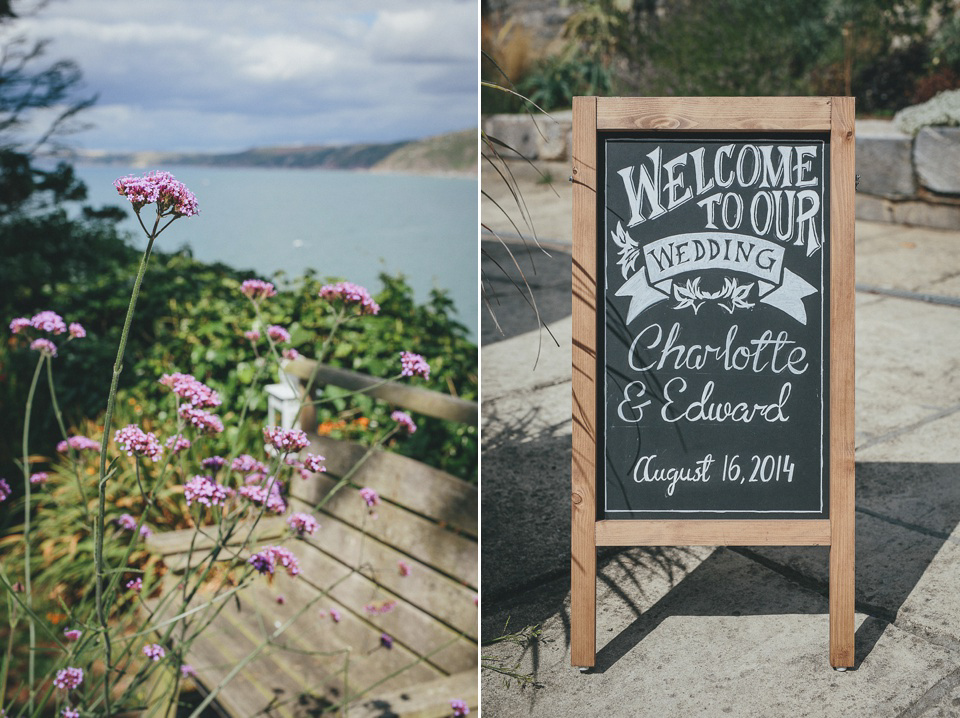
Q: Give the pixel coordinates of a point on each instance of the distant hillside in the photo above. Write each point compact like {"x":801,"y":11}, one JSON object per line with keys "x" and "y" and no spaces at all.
{"x":450,"y":153}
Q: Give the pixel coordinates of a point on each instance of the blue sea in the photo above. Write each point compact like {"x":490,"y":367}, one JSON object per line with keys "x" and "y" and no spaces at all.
{"x":351,"y":225}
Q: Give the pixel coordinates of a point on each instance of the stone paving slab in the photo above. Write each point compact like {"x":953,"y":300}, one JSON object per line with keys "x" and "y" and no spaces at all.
{"x":732,"y":639}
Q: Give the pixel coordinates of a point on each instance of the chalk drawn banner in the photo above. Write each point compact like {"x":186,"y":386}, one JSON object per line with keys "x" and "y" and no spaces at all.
{"x":715,"y":334}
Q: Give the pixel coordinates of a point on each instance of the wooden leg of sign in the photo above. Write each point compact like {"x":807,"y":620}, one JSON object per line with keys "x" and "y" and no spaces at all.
{"x":842,"y":492}
{"x":583,"y":586}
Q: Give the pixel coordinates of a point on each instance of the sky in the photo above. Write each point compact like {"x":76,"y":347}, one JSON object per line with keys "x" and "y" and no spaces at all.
{"x":221,"y":76}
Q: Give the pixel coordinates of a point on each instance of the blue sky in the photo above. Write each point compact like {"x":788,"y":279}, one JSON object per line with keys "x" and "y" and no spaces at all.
{"x":214,"y":76}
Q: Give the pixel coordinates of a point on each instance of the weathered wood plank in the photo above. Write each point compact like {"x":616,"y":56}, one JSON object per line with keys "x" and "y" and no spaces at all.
{"x":445,"y":599}
{"x":177,"y":542}
{"x":444,"y":550}
{"x":410,"y":626}
{"x":423,"y":401}
{"x":733,"y":114}
{"x":426,"y":700}
{"x":402,"y":480}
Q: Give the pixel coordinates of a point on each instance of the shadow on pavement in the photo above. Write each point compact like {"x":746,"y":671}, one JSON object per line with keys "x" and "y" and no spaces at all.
{"x":906,"y":512}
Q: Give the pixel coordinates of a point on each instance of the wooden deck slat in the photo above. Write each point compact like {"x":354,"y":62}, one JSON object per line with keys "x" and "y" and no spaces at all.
{"x":407,"y":624}
{"x":438,"y":595}
{"x":177,"y":542}
{"x":445,"y":551}
{"x":402,"y":480}
{"x":423,"y":401}
{"x":427,"y":700}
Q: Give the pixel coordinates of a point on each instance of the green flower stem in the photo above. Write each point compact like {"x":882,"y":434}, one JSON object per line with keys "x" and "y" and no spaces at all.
{"x":63,"y":430}
{"x":345,"y":479}
{"x":101,"y":484}
{"x":31,"y":624}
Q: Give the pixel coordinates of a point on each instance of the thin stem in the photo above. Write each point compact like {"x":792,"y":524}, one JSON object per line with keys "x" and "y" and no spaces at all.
{"x":101,"y":484}
{"x":63,"y":430}
{"x":31,"y":625}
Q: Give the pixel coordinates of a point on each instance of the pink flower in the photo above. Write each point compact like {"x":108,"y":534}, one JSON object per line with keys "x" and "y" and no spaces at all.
{"x":335,"y":615}
{"x":285,"y":439}
{"x":154,"y":651}
{"x":78,"y":443}
{"x":188,"y":671}
{"x":370,"y":496}
{"x":253,"y":335}
{"x":72,"y":634}
{"x":5,"y":490}
{"x":386,"y":641}
{"x":314,"y":463}
{"x":44,"y":346}
{"x":257,"y":289}
{"x":460,"y":708}
{"x":127,"y":522}
{"x":204,"y":490}
{"x":193,"y":390}
{"x":414,"y":365}
{"x":145,"y":532}
{"x":19,"y":324}
{"x":290,"y":354}
{"x":259,"y":494}
{"x":247,"y":464}
{"x":136,"y":442}
{"x":170,"y":194}
{"x":48,"y":322}
{"x":203,"y":421}
{"x":136,"y":585}
{"x":404,"y":420}
{"x":269,"y":556}
{"x":68,"y":679}
{"x":278,"y":333}
{"x":404,"y":568}
{"x":77,"y":331}
{"x":303,"y":524}
{"x":350,"y":294}
{"x":40,"y":477}
{"x":69,"y":712}
{"x":213,"y":462}
{"x":178,"y":443}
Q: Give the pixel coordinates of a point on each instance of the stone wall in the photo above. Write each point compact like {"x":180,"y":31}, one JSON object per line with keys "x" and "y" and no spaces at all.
{"x":903,"y":180}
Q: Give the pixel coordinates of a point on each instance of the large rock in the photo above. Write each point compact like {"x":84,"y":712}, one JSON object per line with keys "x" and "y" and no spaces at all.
{"x":936,"y":154}
{"x":517,"y":132}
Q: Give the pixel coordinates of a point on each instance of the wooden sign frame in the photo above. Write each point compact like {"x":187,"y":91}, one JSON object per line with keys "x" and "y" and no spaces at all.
{"x":833,"y":116}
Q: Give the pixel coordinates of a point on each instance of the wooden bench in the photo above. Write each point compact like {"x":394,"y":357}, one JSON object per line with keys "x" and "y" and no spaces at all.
{"x":426,"y":519}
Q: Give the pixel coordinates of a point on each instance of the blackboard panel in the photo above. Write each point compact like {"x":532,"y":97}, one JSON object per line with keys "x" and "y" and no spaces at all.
{"x":715,"y":264}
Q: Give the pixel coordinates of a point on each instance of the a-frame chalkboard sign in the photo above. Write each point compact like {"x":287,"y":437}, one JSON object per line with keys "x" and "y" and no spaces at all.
{"x":713,"y":369}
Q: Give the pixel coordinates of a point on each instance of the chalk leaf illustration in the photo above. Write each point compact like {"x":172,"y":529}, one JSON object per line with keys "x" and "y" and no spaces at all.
{"x":629,"y":251}
{"x":689,"y":295}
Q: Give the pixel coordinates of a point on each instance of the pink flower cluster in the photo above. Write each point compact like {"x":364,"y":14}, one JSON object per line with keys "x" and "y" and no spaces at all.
{"x":204,"y":490}
{"x":350,"y":293}
{"x":253,"y":335}
{"x":170,"y":194}
{"x":268,"y":557}
{"x":370,"y":496}
{"x":404,"y":420}
{"x":154,"y":651}
{"x":290,"y":354}
{"x":285,"y":439}
{"x":247,"y":464}
{"x":78,"y":443}
{"x":69,"y":712}
{"x":68,"y":679}
{"x":127,"y":522}
{"x":257,"y":289}
{"x":460,"y":708}
{"x":314,"y":463}
{"x":77,"y":331}
{"x":260,"y":494}
{"x":5,"y":490}
{"x":203,"y":421}
{"x":303,"y":524}
{"x":403,"y":567}
{"x":40,"y":477}
{"x":177,"y":443}
{"x":44,"y":346}
{"x":413,"y":365}
{"x":48,"y":322}
{"x":213,"y":462}
{"x":72,"y":634}
{"x":278,"y":333}
{"x":135,"y":585}
{"x":191,"y":389}
{"x":136,"y":442}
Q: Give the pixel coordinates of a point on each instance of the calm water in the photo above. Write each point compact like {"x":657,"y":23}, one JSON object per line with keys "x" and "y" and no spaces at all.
{"x":352,"y":225}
